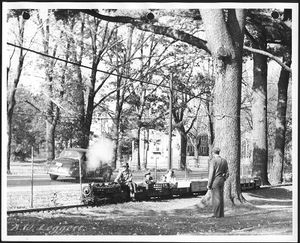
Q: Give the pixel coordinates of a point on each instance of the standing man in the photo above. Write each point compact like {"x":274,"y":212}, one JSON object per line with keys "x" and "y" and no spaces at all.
{"x":217,"y":174}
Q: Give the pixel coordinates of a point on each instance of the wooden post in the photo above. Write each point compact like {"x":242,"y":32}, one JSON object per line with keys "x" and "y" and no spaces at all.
{"x":156,"y":157}
{"x":80,"y":180}
{"x":170,"y":124}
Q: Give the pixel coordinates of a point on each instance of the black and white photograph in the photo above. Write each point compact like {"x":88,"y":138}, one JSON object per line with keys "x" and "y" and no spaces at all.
{"x":149,"y":121}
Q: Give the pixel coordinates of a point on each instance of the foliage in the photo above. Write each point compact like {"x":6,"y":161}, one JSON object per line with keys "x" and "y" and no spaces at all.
{"x":27,"y":127}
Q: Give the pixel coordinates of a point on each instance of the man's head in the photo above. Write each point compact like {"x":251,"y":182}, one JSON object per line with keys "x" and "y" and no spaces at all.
{"x":125,"y":165}
{"x":216,"y":150}
{"x":171,"y":172}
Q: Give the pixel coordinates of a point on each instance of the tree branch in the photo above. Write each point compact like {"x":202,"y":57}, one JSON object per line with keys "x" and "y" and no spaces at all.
{"x":276,"y":59}
{"x":161,"y":30}
{"x":172,"y":33}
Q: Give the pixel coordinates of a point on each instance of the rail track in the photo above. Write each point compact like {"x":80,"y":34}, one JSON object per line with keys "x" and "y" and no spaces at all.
{"x":32,"y":210}
{"x":42,"y":209}
{"x":104,"y":201}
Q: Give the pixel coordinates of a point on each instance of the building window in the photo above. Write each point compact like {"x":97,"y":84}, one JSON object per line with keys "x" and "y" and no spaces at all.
{"x":190,"y":150}
{"x":245,"y":149}
{"x":203,"y":145}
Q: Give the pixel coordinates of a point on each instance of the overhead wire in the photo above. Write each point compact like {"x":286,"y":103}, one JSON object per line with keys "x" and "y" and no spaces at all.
{"x":106,"y":72}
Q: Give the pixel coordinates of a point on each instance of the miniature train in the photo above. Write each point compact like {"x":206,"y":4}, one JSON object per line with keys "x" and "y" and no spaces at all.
{"x":99,"y":193}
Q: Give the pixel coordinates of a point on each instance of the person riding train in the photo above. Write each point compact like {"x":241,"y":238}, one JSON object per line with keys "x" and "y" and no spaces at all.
{"x":124,"y":178}
{"x":170,"y":177}
{"x":148,"y":178}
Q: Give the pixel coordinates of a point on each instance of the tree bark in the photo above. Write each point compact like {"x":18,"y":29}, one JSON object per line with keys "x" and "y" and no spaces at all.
{"x":225,"y":34}
{"x":116,"y":138}
{"x":146,"y":149}
{"x":259,"y":163}
{"x":278,"y":157}
{"x":138,"y":148}
{"x":211,"y":123}
{"x":183,"y":145}
{"x":50,"y":139}
{"x":79,"y":93}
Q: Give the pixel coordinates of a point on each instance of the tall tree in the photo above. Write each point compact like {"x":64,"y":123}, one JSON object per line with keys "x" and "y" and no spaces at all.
{"x":11,"y":101}
{"x":259,"y":162}
{"x":278,"y":157}
{"x":280,"y":133}
{"x":51,"y":107}
{"x":184,"y":114}
{"x":225,"y":34}
{"x":100,"y":43}
{"x":78,"y":83}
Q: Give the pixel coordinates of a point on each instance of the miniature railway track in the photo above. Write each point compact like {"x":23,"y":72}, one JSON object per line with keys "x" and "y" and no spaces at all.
{"x":104,"y":201}
{"x":32,"y":210}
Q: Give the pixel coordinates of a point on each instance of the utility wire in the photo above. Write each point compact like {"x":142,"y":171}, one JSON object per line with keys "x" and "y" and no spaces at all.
{"x":117,"y":75}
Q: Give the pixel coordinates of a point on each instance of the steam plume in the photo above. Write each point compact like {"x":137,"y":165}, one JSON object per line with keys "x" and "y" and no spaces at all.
{"x":99,"y":153}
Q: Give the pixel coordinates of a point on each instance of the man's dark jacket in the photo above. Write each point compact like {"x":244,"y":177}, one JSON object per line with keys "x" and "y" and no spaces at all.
{"x":218,"y":172}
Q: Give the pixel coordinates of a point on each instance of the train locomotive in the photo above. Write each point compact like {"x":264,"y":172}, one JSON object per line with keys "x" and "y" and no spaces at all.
{"x":111,"y":192}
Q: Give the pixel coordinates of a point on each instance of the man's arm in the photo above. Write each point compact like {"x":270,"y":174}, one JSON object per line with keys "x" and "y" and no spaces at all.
{"x":129,"y":178}
{"x":118,"y":176}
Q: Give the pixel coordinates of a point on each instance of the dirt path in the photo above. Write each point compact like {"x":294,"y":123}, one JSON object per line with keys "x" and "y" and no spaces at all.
{"x":268,"y":212}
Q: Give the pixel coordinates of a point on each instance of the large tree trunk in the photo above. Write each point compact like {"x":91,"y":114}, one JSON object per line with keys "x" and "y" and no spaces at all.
{"x":259,"y":164}
{"x":278,"y":157}
{"x":225,"y":38}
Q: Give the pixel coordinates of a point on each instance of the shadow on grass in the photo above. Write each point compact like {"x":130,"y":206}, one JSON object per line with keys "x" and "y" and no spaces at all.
{"x":271,"y":197}
{"x":272,"y":193}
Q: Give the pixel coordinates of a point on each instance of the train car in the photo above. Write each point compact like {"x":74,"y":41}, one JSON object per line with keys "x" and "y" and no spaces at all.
{"x":99,"y":193}
{"x":158,"y":190}
{"x":248,"y":183}
{"x":198,"y":187}
{"x":181,"y":189}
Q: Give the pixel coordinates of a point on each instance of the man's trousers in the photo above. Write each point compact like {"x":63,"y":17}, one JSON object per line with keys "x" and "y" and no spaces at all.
{"x":218,"y":200}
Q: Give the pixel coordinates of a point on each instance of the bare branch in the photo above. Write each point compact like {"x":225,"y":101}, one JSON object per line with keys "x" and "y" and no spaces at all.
{"x":161,"y":30}
{"x":276,"y":59}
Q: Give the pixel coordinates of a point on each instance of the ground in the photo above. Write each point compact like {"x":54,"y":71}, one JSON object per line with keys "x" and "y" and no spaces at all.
{"x":268,"y":211}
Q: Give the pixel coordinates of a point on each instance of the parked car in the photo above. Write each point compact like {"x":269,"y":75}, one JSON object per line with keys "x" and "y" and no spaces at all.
{"x":67,"y":164}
